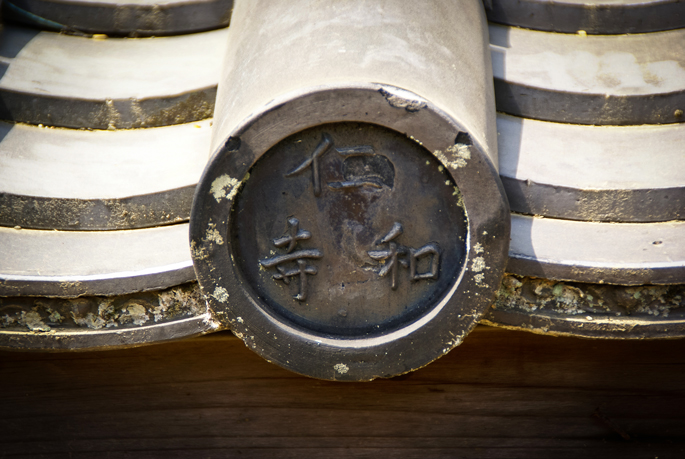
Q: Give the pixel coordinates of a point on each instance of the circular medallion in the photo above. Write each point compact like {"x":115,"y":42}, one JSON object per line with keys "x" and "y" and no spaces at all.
{"x":348,"y":229}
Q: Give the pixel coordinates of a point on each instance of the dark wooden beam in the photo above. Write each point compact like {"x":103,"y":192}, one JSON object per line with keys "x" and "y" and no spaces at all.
{"x":500,"y":394}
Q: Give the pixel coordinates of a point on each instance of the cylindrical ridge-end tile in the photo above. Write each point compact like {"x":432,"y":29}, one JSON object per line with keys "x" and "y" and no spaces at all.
{"x":351,"y":223}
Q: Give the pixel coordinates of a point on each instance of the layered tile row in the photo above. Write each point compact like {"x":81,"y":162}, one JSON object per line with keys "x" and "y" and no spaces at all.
{"x":64,"y":264}
{"x":591,"y":16}
{"x":590,"y":79}
{"x":69,"y":179}
{"x":612,"y":253}
{"x":591,"y":133}
{"x":593,"y":173}
{"x":102,"y":209}
{"x":75,"y":263}
{"x":69,"y":81}
{"x":127,"y":17}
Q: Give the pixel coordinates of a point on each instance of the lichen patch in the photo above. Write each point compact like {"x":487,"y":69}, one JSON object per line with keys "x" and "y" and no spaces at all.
{"x":134,"y":313}
{"x":198,"y":252}
{"x":480,"y":280}
{"x":478,"y":264}
{"x":220,"y":294}
{"x":341,"y":368}
{"x":458,"y":153}
{"x":573,"y":299}
{"x":224,"y":186}
{"x":90,"y":320}
{"x":34,"y":321}
{"x":214,"y":235}
{"x":96,"y":313}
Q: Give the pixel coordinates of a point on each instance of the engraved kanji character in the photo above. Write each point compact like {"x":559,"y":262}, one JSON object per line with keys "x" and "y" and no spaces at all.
{"x":302,"y":270}
{"x":432,"y":250}
{"x":363,"y":167}
{"x":408,"y":257}
{"x":294,"y":234}
{"x":313,"y":161}
{"x":390,"y":255}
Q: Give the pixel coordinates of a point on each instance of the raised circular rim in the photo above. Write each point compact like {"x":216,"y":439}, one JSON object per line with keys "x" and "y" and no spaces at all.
{"x":337,"y":358}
